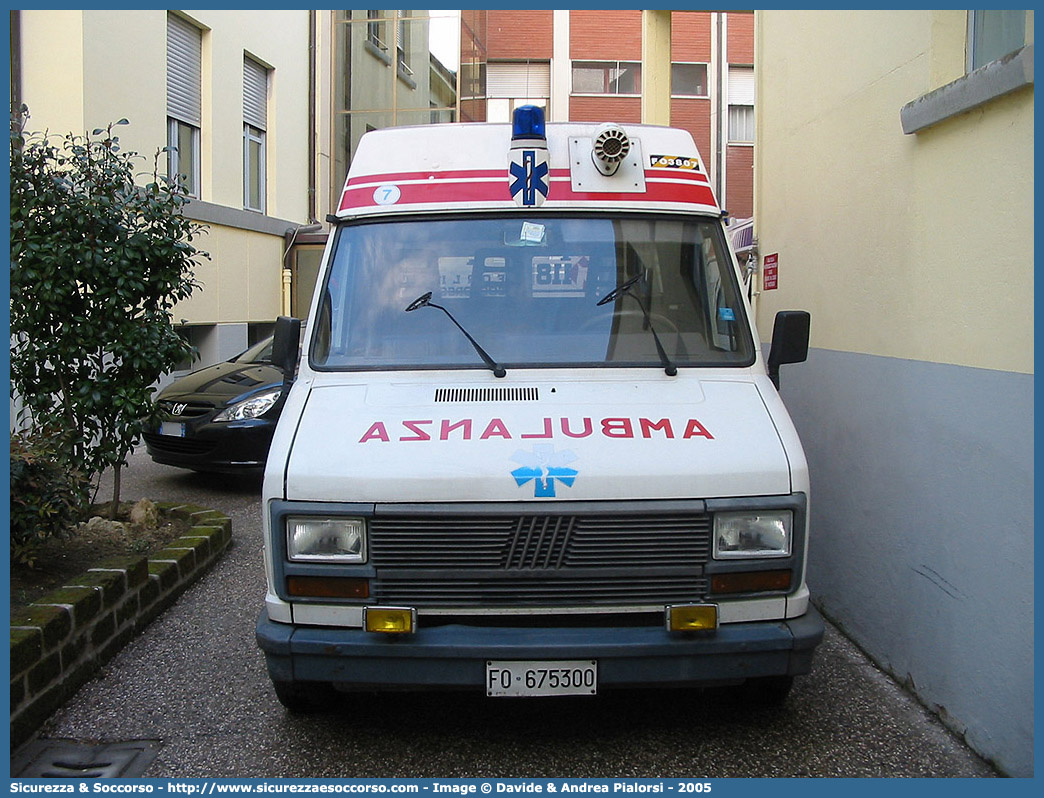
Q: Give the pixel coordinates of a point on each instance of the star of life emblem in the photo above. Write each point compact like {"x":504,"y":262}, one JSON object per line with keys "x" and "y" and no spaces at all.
{"x":544,"y":467}
{"x":529,"y":176}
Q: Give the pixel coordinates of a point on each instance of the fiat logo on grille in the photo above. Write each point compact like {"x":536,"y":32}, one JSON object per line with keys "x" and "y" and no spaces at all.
{"x":178,"y":408}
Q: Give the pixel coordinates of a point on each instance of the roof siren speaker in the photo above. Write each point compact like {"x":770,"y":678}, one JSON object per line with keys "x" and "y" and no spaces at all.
{"x":611,"y":146}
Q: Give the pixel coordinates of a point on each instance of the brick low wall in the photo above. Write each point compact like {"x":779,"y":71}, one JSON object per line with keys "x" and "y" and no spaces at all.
{"x":60,"y":640}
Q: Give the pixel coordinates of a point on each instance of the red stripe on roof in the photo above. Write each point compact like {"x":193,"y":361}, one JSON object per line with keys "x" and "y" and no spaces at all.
{"x":478,"y":174}
{"x":449,"y":188}
{"x":398,"y":177}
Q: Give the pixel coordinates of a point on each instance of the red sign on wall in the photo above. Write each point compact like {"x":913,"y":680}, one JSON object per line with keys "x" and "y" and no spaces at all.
{"x":769,"y":272}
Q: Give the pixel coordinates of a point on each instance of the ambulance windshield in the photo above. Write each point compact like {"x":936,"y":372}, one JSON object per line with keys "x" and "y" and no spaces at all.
{"x":527,"y":289}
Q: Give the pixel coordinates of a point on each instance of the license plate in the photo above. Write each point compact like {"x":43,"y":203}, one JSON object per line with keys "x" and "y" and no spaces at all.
{"x":537,"y":678}
{"x":172,"y":428}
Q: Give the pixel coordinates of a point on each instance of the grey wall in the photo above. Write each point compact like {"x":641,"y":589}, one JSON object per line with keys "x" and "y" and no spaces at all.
{"x":922,"y":531}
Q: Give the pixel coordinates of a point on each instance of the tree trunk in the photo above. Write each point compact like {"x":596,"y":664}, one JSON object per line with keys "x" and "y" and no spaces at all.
{"x":114,"y":508}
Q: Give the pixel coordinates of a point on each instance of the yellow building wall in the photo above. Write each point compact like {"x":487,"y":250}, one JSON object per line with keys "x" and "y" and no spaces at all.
{"x":52,"y":74}
{"x":238,"y":294}
{"x":909,"y":246}
{"x":82,"y":70}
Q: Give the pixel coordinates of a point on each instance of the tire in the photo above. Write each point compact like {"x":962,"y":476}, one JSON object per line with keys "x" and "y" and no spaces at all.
{"x":302,"y":698}
{"x":766,"y":691}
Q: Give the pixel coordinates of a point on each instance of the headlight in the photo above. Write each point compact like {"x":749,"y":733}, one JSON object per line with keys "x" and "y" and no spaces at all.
{"x":257,"y":405}
{"x":321,"y":538}
{"x":752,"y":534}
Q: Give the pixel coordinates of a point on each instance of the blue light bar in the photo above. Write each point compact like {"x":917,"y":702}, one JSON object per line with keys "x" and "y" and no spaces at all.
{"x":528,"y":123}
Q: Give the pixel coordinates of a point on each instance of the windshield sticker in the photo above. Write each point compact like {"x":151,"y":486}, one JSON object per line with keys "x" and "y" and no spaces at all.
{"x":386,"y":195}
{"x":467,"y":429}
{"x":726,"y":314}
{"x":532,"y":233}
{"x":673,"y":162}
{"x":543,"y":466}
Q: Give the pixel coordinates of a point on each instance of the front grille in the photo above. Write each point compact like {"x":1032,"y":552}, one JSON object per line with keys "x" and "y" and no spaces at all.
{"x":558,"y":590}
{"x":536,"y":541}
{"x":172,"y":444}
{"x":550,"y":560}
{"x":168,"y":407}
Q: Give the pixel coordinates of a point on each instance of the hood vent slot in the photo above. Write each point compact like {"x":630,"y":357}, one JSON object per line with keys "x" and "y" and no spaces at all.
{"x":487,"y":394}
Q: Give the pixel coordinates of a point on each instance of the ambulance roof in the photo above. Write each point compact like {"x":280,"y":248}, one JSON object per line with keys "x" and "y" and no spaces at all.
{"x":469,"y":167}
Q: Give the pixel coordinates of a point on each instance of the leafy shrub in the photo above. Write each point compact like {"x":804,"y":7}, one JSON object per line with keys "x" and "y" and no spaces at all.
{"x":98,"y":263}
{"x":47,"y":497}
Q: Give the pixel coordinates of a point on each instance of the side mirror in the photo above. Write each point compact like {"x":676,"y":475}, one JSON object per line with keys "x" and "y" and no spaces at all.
{"x":789,"y":341}
{"x":286,"y":346}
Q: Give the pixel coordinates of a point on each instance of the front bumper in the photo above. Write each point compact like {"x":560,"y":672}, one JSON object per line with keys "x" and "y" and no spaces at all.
{"x":454,"y":656}
{"x":235,"y":446}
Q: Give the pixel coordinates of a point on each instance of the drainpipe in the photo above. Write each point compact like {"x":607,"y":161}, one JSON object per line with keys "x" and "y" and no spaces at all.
{"x":723,"y":122}
{"x":16,"y":65}
{"x":312,"y":206}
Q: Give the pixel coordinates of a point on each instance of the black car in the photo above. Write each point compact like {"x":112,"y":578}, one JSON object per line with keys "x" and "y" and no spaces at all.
{"x":220,"y":418}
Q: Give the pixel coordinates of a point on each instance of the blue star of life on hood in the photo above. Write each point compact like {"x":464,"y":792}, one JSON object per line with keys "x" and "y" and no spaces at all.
{"x":544,"y":466}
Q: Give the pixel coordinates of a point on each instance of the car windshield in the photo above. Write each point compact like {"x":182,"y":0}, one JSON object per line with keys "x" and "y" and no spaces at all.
{"x":528,"y":291}
{"x":260,"y":352}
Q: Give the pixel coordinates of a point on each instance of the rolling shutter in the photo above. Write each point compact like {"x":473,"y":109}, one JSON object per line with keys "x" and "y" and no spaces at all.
{"x":741,"y":85}
{"x":518,"y":80}
{"x":184,"y":47}
{"x":255,"y":94}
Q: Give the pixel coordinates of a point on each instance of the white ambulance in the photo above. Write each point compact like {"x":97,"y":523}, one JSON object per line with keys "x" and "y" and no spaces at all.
{"x":533,"y":446}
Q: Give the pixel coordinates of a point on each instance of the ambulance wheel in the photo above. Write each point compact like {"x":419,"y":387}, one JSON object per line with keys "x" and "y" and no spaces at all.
{"x":301,"y":698}
{"x":766,"y":691}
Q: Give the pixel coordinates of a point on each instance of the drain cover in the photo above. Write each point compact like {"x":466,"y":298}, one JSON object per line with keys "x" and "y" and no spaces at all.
{"x":63,"y":759}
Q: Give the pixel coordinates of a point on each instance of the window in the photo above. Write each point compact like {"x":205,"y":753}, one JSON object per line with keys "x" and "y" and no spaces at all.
{"x":375,"y":30}
{"x":996,"y":39}
{"x":689,"y":80}
{"x":741,"y":105}
{"x":607,"y":77}
{"x":184,"y":93}
{"x":402,"y":43}
{"x":510,"y":85}
{"x":255,"y":122}
{"x":993,"y":34}
{"x":183,"y":156}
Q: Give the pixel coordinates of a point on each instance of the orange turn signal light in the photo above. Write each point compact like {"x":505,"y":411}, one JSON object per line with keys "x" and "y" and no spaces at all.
{"x":327,"y":587}
{"x":750,"y":581}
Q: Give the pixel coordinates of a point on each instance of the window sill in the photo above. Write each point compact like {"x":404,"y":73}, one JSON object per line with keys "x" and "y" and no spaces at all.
{"x":405,"y":77}
{"x":376,"y":52}
{"x":996,"y":79}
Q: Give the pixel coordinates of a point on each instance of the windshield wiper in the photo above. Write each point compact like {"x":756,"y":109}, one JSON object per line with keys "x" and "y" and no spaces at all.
{"x":424,"y":301}
{"x":625,"y":289}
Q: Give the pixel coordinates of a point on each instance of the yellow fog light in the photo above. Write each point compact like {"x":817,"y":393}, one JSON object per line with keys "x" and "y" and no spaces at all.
{"x":390,"y":620}
{"x":692,"y":618}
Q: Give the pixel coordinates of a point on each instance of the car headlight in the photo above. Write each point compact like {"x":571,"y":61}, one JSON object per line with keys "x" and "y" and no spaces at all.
{"x":324,"y":538}
{"x":752,"y":534}
{"x":254,"y":407}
